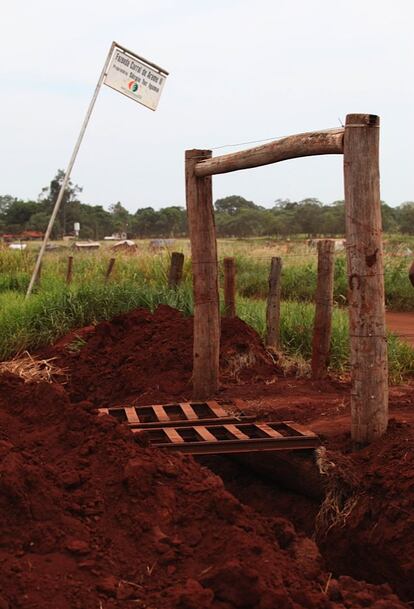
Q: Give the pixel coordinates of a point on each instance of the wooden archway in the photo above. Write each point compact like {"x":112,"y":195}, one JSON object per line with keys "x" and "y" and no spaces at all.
{"x":358,"y":141}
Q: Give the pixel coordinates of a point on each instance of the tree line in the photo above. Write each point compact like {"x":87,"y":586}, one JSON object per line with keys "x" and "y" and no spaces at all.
{"x":235,"y":217}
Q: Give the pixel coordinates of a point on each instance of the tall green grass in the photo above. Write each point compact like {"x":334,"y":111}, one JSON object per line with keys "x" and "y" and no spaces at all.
{"x":299,"y":273}
{"x":140,"y":281}
{"x":47,"y":315}
{"x":299,"y":280}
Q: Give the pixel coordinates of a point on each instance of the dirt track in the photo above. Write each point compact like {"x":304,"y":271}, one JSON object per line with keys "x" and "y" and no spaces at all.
{"x":401,"y":324}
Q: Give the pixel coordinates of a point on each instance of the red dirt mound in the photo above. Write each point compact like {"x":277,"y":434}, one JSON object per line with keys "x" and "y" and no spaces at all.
{"x":90,"y":519}
{"x":144,"y":357}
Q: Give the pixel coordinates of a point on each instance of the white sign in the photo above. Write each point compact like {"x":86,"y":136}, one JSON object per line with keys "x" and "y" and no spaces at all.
{"x":76,"y":226}
{"x":135,"y":78}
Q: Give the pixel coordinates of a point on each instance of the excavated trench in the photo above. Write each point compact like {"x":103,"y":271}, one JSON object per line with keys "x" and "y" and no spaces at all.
{"x":272,"y":485}
{"x":290,"y":485}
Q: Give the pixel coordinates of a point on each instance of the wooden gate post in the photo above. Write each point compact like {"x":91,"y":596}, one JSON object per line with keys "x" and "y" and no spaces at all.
{"x":229,"y":287}
{"x":176,"y":269}
{"x":206,"y":347}
{"x":273,"y":304}
{"x":322,"y":330}
{"x":369,"y":367}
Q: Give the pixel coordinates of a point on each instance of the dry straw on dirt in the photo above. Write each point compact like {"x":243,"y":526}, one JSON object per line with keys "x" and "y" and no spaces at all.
{"x":32,"y":369}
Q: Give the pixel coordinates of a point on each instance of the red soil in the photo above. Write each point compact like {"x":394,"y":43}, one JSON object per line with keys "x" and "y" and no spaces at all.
{"x":92,"y":519}
{"x":141,"y":357}
{"x":402,"y":324}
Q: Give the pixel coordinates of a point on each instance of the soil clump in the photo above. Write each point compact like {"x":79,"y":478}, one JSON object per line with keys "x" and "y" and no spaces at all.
{"x":142,"y":357}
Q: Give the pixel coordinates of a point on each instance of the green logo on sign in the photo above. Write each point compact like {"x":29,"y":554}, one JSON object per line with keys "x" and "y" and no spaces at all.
{"x":133,"y":86}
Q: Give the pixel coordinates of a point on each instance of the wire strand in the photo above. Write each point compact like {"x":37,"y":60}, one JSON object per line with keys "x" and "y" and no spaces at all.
{"x":267,"y":139}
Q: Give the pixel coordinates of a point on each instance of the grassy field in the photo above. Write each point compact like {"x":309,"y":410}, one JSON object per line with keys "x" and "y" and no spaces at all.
{"x":141,"y":280}
{"x":252,"y":260}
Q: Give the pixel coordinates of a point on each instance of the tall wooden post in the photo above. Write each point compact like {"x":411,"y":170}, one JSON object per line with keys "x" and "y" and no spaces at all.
{"x":369,"y":368}
{"x":69,"y":271}
{"x":176,"y":269}
{"x":322,"y":331}
{"x":273,"y":304}
{"x":206,"y":348}
{"x":229,"y":287}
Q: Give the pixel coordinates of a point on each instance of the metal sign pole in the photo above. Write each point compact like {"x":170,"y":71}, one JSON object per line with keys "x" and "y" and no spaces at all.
{"x":68,"y":172}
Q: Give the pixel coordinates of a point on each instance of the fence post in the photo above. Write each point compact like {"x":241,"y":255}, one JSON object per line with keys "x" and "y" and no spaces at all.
{"x":322,"y":330}
{"x":176,"y":269}
{"x":273,"y":304}
{"x":69,"y":271}
{"x":369,"y":367}
{"x":229,"y":287}
{"x":206,"y":346}
{"x":109,"y":269}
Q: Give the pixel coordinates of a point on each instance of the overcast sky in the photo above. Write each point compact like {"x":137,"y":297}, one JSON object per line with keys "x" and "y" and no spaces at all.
{"x":239,"y":71}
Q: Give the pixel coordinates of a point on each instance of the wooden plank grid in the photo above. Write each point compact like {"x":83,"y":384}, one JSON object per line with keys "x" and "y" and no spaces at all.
{"x":234,"y":438}
{"x":184,"y":413}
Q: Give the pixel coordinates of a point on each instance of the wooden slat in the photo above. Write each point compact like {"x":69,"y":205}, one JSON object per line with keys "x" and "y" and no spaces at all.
{"x":173,"y":435}
{"x":131,"y":415}
{"x":300,"y":429}
{"x":160,"y":413}
{"x":217,"y":409}
{"x":206,"y":443}
{"x":236,"y":432}
{"x":188,"y":411}
{"x":205,"y":434}
{"x":268,"y":430}
{"x":103,"y":411}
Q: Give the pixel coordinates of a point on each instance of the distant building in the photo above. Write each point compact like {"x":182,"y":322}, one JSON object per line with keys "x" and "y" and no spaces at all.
{"x":125,"y":245}
{"x":31,"y":235}
{"x":26,"y":235}
{"x":17,"y":246}
{"x":161,"y":244}
{"x":88,"y":245}
{"x":116,"y":237}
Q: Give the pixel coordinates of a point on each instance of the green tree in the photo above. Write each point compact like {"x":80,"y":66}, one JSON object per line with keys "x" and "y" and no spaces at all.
{"x":233,"y":204}
{"x":69,"y":206}
{"x":406,"y":217}
{"x":120,"y":217}
{"x":143,"y":222}
{"x":17,"y":215}
{"x":389,"y":218}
